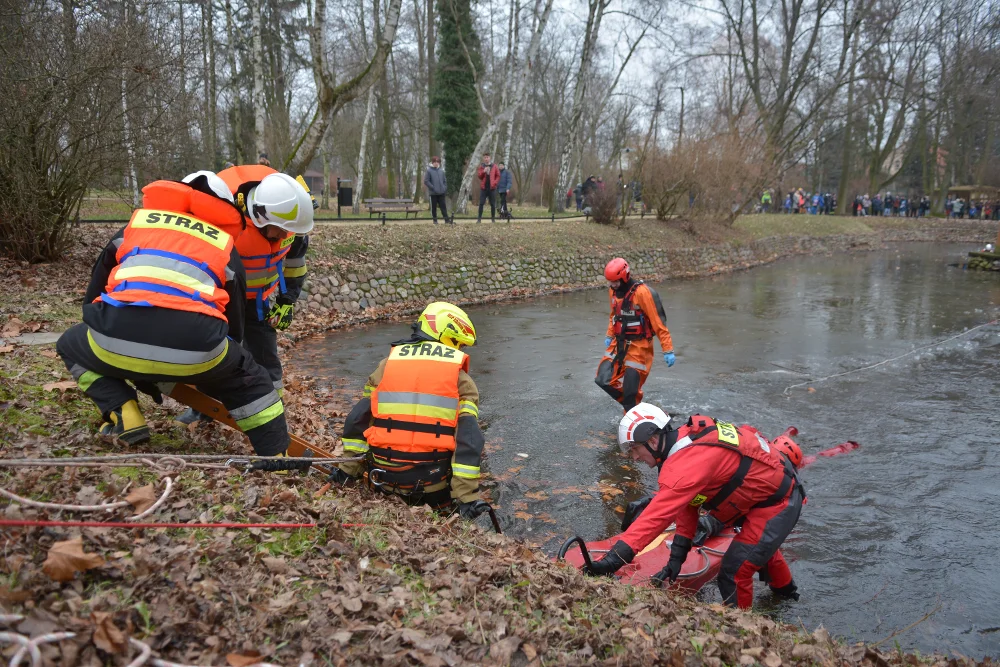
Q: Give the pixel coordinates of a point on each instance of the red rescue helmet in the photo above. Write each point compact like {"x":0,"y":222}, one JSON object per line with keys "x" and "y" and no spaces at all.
{"x":616,"y":269}
{"x":785,"y":445}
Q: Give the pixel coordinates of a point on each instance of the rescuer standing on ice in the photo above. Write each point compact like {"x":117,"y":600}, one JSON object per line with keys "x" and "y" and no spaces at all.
{"x":636,"y":316}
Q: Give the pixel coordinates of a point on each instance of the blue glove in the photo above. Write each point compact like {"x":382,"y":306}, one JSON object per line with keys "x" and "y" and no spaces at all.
{"x":607,"y":341}
{"x":669,"y":358}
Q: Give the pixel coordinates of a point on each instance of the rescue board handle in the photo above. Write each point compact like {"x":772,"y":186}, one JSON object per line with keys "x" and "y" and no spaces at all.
{"x":583,"y":549}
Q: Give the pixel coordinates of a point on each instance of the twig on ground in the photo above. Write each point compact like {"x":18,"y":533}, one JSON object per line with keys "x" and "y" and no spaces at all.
{"x":910,"y":626}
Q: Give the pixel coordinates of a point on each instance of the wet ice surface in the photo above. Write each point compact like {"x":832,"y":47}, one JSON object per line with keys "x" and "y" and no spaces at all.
{"x":892,"y":531}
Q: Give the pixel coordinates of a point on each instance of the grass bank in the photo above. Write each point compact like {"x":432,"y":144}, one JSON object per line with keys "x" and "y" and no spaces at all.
{"x":364,"y":246}
{"x":373,"y":582}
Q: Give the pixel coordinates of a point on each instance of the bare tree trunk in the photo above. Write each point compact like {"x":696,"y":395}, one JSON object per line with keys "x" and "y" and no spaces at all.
{"x":520,"y":91}
{"x":847,"y":148}
{"x":423,"y":115}
{"x":324,"y":153}
{"x":238,"y":106}
{"x":127,"y":127}
{"x":208,"y":56}
{"x":331,"y":97}
{"x":432,"y":147}
{"x":369,"y":113}
{"x":572,"y":144}
{"x":259,"y":106}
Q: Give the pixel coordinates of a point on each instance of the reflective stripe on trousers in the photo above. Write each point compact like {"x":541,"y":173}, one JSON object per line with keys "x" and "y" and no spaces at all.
{"x":258,"y":412}
{"x":154,"y":359}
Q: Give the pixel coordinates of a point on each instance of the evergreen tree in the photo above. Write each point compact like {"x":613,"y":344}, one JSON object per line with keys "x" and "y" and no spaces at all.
{"x":454,"y":91}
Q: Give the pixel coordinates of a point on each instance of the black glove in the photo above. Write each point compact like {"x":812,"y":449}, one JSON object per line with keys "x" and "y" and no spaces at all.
{"x":791,"y":591}
{"x":708,"y":526}
{"x":150,"y":389}
{"x":470,"y":511}
{"x":620,"y":555}
{"x":633,"y":510}
{"x":340,"y":478}
{"x":679,"y":549}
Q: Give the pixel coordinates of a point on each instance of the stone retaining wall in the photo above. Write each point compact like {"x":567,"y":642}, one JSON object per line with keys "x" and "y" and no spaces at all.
{"x":353,"y":293}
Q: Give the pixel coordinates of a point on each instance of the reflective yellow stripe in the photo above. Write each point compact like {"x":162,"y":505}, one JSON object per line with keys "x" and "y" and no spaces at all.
{"x":167,"y":220}
{"x":465,"y":472}
{"x":368,"y":391}
{"x":165,"y":275}
{"x":153,"y":367}
{"x":469,"y":408}
{"x":87,"y":379}
{"x":295,"y":271}
{"x":262,"y":417}
{"x":414,"y":410}
{"x":266,"y":280}
{"x":352,"y":445}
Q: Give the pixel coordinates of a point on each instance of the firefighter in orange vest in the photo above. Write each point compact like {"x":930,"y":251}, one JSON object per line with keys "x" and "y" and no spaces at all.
{"x":418,"y":420}
{"x":165,"y":305}
{"x":731,"y":472}
{"x":636,"y":316}
{"x":273,"y":250}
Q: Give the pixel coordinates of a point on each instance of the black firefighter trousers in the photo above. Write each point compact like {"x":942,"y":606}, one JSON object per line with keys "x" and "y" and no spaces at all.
{"x":230,"y":375}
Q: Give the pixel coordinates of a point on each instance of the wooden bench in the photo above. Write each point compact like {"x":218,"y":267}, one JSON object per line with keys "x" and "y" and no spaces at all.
{"x":380,"y":205}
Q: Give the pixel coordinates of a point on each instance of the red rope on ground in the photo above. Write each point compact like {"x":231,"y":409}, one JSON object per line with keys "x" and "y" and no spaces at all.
{"x":120,"y":524}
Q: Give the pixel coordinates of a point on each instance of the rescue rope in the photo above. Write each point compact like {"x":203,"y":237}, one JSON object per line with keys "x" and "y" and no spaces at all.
{"x":886,"y":361}
{"x":124,"y":524}
{"x":187,"y":458}
{"x":30,"y":647}
{"x":104,"y":507}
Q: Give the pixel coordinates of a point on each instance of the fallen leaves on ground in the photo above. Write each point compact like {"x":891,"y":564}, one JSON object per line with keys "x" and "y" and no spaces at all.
{"x":107,"y":636}
{"x":61,"y":386}
{"x":142,"y":498}
{"x":66,"y":558}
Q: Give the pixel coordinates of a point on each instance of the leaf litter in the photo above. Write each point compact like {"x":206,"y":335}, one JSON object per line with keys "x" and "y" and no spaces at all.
{"x":402,"y":586}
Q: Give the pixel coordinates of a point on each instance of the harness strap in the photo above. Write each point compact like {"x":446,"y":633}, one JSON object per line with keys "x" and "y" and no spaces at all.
{"x":388,"y":423}
{"x":780,"y":494}
{"x":162,"y":289}
{"x":729,"y":487}
{"x":392,"y":456}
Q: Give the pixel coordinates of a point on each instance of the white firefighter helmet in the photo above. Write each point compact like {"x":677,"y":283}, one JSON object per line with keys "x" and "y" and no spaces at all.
{"x":215,"y":184}
{"x":281,"y":201}
{"x":640,"y":424}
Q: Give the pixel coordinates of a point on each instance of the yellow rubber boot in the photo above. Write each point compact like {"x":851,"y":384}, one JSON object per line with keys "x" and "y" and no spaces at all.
{"x":127,"y":425}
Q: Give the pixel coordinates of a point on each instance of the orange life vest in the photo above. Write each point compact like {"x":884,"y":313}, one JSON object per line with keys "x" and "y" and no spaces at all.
{"x":237,"y":177}
{"x":629,"y":321}
{"x":263,"y":261}
{"x":175,"y":251}
{"x":761,"y":470}
{"x":415,"y":406}
{"x":261,"y":258}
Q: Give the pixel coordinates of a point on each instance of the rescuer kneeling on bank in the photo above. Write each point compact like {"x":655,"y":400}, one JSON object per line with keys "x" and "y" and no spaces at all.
{"x":734,"y":474}
{"x":636,"y":316}
{"x":165,"y":305}
{"x":418,"y":421}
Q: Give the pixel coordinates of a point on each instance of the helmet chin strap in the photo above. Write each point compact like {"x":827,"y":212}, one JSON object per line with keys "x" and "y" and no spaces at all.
{"x":664,"y":441}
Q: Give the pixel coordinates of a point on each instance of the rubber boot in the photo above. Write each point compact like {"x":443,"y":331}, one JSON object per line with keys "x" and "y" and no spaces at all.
{"x":126,"y":425}
{"x":791,"y":591}
{"x":191,"y":416}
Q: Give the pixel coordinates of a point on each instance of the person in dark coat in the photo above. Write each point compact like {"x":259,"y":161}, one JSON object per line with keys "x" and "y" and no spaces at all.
{"x":437,"y":187}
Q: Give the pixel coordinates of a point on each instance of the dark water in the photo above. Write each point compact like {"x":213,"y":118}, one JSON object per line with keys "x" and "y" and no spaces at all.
{"x":908,"y":524}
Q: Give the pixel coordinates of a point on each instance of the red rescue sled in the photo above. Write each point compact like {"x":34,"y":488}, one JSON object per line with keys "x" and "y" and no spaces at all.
{"x":703,"y":562}
{"x":701,"y":567}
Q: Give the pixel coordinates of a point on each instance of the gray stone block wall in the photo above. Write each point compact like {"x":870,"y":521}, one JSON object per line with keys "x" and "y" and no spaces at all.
{"x":352,"y":293}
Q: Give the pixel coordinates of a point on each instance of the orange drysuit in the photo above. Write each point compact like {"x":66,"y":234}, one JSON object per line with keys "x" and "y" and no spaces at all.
{"x":636,"y":316}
